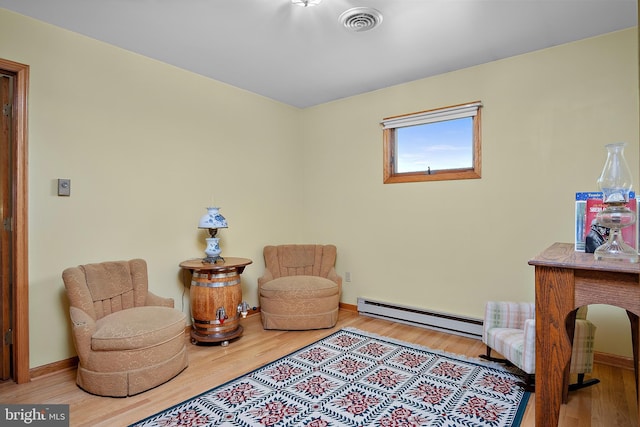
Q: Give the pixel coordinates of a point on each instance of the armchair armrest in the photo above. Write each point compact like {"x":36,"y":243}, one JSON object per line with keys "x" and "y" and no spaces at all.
{"x":530,"y":334}
{"x":155,"y":300}
{"x":528,"y":357}
{"x":83,"y":327}
{"x":582,"y":312}
{"x":266,"y":277}
{"x":583,"y":346}
{"x":333,"y":275}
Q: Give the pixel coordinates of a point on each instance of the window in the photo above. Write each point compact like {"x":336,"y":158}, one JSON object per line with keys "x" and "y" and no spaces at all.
{"x":434,"y":145}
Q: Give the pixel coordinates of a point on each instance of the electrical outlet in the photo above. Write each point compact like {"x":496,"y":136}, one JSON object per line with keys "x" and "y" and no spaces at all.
{"x":347,"y":276}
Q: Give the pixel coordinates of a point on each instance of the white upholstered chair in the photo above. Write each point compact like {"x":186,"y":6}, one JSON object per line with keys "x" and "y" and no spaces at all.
{"x":509,"y":328}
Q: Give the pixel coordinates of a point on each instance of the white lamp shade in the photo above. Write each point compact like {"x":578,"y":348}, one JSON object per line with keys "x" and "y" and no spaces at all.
{"x":212,"y":219}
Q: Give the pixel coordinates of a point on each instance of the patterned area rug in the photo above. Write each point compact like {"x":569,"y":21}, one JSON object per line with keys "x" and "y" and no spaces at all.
{"x":352,"y":378}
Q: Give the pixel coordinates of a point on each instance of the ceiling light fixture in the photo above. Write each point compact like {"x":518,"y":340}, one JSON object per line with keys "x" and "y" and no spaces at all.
{"x":306,"y":3}
{"x":361,"y":19}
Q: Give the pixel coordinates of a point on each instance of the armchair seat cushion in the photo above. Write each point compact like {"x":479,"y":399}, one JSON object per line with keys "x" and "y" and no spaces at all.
{"x":299,"y":302}
{"x":299,"y":287}
{"x":510,"y":344}
{"x":131,"y":329}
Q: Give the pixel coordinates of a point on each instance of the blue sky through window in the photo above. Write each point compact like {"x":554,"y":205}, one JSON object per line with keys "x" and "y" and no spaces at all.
{"x":438,"y":146}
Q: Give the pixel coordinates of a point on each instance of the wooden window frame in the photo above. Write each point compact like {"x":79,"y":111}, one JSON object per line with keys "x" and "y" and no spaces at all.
{"x":390,"y":176}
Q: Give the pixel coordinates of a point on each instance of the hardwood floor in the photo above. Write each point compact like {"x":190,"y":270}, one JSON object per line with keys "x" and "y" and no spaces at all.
{"x":610,"y":403}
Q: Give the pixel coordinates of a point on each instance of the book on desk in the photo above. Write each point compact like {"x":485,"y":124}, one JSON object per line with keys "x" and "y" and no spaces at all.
{"x":587,"y":206}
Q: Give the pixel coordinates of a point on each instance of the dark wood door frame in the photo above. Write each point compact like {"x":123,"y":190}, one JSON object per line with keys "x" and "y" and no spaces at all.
{"x":20,"y":270}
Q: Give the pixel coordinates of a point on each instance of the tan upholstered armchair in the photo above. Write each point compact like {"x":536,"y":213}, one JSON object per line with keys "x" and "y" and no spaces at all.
{"x":300,"y":288}
{"x":128,"y":340}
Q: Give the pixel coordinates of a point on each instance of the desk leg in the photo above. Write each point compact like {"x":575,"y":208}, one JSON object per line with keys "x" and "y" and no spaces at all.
{"x":570,"y":325}
{"x":635,"y":330}
{"x":554,"y":301}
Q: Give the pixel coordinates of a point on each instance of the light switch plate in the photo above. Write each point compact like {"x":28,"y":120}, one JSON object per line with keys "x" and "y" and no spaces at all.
{"x":64,"y":187}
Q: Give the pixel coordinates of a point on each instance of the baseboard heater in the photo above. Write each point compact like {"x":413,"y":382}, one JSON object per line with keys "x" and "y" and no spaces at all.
{"x":444,"y":322}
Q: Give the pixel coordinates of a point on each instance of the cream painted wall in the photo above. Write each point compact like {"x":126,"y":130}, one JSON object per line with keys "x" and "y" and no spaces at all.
{"x":148,"y":146}
{"x":452,"y":245}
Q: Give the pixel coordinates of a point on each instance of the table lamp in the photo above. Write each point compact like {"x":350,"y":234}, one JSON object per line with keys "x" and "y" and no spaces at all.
{"x":615,"y":184}
{"x":211,"y":221}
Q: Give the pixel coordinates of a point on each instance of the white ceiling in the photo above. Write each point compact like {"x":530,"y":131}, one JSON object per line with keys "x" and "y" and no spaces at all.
{"x":304,"y":57}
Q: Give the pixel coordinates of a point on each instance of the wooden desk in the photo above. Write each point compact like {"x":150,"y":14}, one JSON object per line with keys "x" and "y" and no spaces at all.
{"x":565,"y":281}
{"x":215,"y":298}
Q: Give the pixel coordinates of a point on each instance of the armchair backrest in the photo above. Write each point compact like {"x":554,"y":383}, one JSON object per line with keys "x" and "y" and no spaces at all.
{"x":514,"y":315}
{"x":103,"y":288}
{"x":296,"y":260}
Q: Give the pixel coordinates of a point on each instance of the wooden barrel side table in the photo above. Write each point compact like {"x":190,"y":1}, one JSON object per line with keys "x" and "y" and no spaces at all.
{"x":215,"y":299}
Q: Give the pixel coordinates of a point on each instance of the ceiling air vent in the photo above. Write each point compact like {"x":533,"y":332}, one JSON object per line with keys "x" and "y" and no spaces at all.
{"x":361,"y":19}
